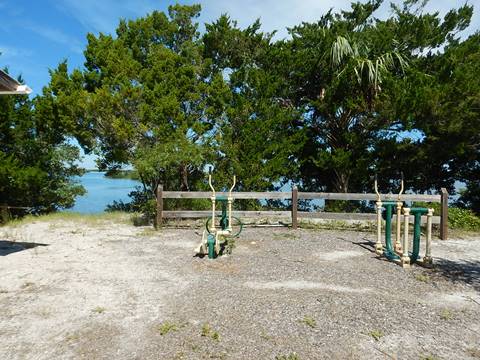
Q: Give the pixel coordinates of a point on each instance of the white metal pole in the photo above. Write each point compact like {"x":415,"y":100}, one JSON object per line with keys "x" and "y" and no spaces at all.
{"x":405,"y":257}
{"x":428,"y":245}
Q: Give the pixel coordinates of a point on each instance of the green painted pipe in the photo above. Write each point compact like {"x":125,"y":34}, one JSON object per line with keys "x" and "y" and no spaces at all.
{"x":211,"y":246}
{"x":389,"y":252}
{"x":417,"y":213}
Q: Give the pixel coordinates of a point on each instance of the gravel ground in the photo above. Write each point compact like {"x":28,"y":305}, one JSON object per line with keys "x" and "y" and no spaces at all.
{"x":114,"y":291}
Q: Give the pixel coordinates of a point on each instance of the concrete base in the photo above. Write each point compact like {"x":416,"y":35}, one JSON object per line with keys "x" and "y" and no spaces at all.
{"x":427,"y":260}
{"x":405,"y":261}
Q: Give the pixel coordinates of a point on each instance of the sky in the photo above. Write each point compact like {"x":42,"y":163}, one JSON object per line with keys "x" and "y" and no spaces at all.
{"x":35,"y":35}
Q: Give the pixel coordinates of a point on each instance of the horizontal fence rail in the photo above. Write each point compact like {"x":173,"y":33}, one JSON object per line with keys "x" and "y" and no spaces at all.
{"x":198,"y":214}
{"x":294,"y":196}
{"x":283,"y":195}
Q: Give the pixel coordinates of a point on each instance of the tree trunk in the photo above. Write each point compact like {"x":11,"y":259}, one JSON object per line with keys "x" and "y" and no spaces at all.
{"x":184,"y":178}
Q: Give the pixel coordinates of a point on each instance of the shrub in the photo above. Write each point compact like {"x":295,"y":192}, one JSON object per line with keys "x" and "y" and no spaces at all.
{"x":463,"y":219}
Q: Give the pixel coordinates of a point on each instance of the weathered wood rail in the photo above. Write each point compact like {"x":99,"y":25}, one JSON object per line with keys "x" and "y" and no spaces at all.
{"x":294,"y":214}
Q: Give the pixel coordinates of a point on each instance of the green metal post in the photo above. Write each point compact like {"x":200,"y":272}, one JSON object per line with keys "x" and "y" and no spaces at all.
{"x":389,"y":252}
{"x":211,"y":246}
{"x":417,"y":231}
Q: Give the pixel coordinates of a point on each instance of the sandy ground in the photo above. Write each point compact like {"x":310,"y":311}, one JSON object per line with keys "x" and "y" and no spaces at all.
{"x":71,"y":290}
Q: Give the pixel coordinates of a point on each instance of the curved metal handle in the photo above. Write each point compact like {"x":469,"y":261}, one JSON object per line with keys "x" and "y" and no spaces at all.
{"x":375,"y":184}
{"x":234,"y":182}
{"x":210,"y":181}
{"x":401,"y":185}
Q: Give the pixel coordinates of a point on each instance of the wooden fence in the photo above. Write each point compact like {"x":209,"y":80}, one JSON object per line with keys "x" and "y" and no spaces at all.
{"x":294,"y":214}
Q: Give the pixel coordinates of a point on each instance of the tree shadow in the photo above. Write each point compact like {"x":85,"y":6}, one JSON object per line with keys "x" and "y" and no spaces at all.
{"x":10,"y":247}
{"x":466,"y":271}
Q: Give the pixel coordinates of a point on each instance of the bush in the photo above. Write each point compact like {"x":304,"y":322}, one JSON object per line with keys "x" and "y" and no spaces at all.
{"x":463,"y":219}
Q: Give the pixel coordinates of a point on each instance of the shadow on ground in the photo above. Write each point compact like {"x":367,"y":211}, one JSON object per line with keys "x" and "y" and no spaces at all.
{"x":10,"y":247}
{"x":467,"y":272}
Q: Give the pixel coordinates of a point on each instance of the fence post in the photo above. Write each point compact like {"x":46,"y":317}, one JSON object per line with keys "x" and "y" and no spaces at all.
{"x":294,"y":207}
{"x":159,"y":215}
{"x":444,"y":215}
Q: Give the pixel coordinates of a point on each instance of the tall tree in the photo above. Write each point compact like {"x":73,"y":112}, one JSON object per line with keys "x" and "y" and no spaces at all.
{"x":148,"y":97}
{"x":37,"y":161}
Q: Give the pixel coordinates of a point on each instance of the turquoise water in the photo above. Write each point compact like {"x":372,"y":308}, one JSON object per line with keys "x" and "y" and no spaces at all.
{"x":101,"y":191}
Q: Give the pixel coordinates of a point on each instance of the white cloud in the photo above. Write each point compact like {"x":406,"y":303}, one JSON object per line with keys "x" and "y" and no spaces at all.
{"x":280,"y":14}
{"x":57,"y":36}
{"x":103,"y":15}
{"x":11,"y":52}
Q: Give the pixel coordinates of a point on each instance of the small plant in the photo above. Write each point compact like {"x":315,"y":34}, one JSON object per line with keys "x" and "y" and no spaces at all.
{"x":422,"y":277}
{"x":99,"y":310}
{"x":446,"y":314}
{"x":166,"y":327}
{"x":376,"y":334}
{"x":292,"y":356}
{"x":207,"y":331}
{"x":309,"y":321}
{"x":215,"y":336}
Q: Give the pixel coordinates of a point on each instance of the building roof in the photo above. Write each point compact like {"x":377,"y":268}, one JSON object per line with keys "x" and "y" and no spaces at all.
{"x":9,"y":85}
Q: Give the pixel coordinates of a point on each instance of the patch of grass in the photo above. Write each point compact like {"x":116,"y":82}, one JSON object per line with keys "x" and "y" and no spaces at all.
{"x":422,"y":277}
{"x":166,"y":327}
{"x":86,"y":219}
{"x":215,"y":336}
{"x":291,"y":356}
{"x":309,"y":321}
{"x":207,"y":331}
{"x":290,"y":235}
{"x":147,"y":232}
{"x":376,"y":334}
{"x":446,"y":314}
{"x":99,"y":310}
{"x":428,"y":357}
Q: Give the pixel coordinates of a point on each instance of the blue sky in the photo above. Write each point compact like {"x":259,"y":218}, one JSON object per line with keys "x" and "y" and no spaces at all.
{"x":36,"y":35}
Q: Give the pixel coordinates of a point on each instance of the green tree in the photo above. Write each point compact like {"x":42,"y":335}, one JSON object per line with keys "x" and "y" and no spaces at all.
{"x":37,"y":162}
{"x":257,"y":137}
{"x":148,"y":97}
{"x":349,"y":72}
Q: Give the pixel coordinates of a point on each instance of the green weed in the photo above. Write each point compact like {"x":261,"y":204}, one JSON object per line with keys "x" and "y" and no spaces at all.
{"x":166,"y":327}
{"x":376,"y":334}
{"x":99,"y":310}
{"x":309,"y":321}
{"x":446,"y":314}
{"x":422,"y":277}
{"x":207,"y":331}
